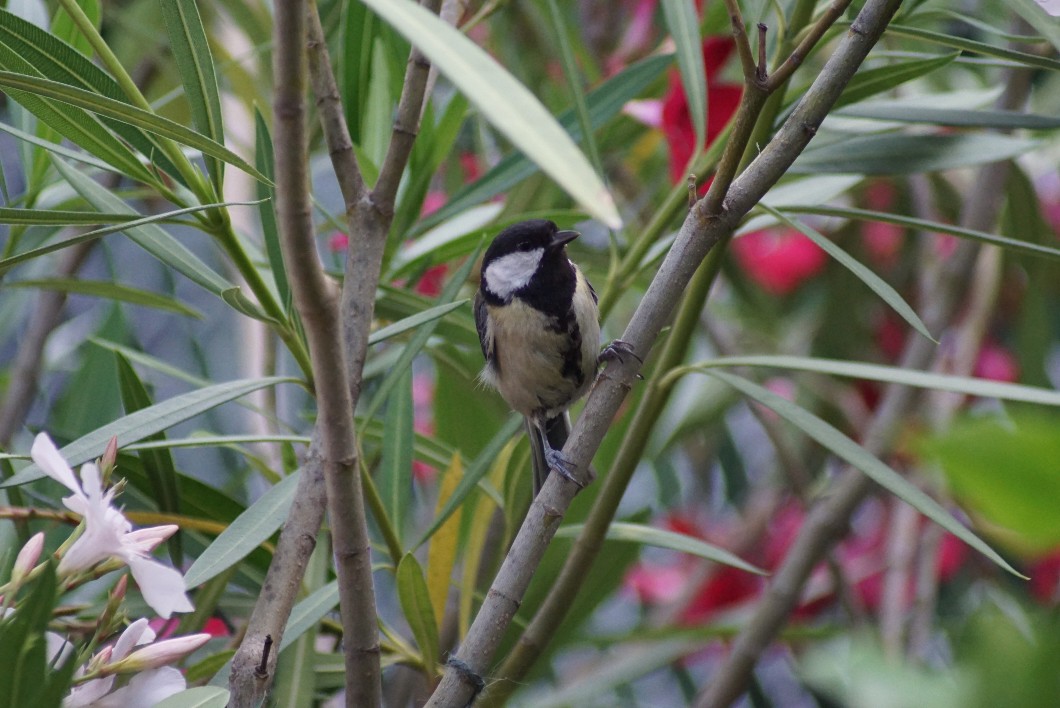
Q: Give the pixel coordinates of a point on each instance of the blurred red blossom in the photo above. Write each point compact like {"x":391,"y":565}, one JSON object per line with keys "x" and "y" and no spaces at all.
{"x":996,"y":363}
{"x":862,"y":558}
{"x":722,"y":101}
{"x":778,"y":260}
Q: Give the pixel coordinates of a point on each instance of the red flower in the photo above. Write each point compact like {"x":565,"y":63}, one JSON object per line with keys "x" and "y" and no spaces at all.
{"x":722,"y":102}
{"x":338,"y":242}
{"x":779,"y":260}
{"x":996,"y":363}
{"x":1045,"y":579}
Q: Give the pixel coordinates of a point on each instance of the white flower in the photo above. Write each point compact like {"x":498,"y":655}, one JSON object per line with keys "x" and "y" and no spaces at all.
{"x":147,"y":687}
{"x":1052,"y":7}
{"x":108,"y":534}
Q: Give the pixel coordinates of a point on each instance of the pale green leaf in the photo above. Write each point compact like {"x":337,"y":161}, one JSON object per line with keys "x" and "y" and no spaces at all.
{"x":901,"y":154}
{"x":508,"y":105}
{"x":248,"y":531}
{"x":897,"y":375}
{"x":415,"y":321}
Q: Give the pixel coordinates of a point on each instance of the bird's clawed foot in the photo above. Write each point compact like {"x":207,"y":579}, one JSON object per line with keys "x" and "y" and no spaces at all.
{"x":561,"y":466}
{"x":618,"y":351}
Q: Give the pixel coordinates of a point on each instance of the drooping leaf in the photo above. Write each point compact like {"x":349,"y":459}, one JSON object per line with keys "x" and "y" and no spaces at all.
{"x":110,"y":291}
{"x":509,"y":106}
{"x":863,"y":273}
{"x":125,"y":113}
{"x":661,"y":538}
{"x":603,"y":103}
{"x":859,"y":457}
{"x":441,"y":554}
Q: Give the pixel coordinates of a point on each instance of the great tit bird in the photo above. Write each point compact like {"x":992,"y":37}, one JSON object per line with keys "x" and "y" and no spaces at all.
{"x":539,"y":328}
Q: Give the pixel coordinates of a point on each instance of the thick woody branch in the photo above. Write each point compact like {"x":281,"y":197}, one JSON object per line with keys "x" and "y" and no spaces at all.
{"x":700,"y":232}
{"x":317,"y":307}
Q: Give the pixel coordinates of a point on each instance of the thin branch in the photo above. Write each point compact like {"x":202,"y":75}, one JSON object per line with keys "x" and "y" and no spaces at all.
{"x":799,"y":54}
{"x":739,"y":36}
{"x":701,"y":230}
{"x":406,"y":125}
{"x":329,"y":106}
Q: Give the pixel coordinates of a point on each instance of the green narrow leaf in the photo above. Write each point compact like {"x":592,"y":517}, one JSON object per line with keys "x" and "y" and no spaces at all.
{"x":145,"y":423}
{"x":574,"y":81}
{"x":416,"y":605}
{"x":875,"y":283}
{"x":158,"y":463}
{"x":415,"y":321}
{"x":57,"y":217}
{"x":661,"y":538}
{"x":870,"y":82}
{"x":109,"y":291}
{"x":253,"y":527}
{"x":683,"y":23}
{"x":71,"y":122}
{"x":53,"y":58}
{"x":1015,"y":245}
{"x":604,"y":103}
{"x":845,"y":448}
{"x":969,"y":45}
{"x":394,"y":477}
{"x":55,"y":148}
{"x":902,"y":154}
{"x":149,"y":236}
{"x":1001,"y":120}
{"x":125,"y":113}
{"x":188,"y":43}
{"x":263,"y":160}
{"x":894,"y":374}
{"x":508,"y":105}
{"x":137,"y":220}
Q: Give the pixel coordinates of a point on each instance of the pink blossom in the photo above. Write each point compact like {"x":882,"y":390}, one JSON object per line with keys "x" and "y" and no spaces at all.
{"x":160,"y":653}
{"x":996,"y":363}
{"x":108,"y":534}
{"x":338,"y":242}
{"x":779,"y":260}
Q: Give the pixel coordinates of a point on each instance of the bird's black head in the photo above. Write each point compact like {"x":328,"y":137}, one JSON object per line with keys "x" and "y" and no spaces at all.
{"x":529,"y":260}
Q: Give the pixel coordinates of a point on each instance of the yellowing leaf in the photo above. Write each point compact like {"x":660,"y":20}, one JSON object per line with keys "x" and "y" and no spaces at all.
{"x":441,"y":555}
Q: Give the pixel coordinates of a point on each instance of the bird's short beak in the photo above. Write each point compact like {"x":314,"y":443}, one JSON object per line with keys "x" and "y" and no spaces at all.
{"x":562,"y":238}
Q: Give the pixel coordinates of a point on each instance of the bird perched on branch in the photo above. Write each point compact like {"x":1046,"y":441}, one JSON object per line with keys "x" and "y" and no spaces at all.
{"x":539,"y":328}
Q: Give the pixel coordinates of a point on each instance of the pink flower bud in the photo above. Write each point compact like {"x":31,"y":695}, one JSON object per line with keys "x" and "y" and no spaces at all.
{"x":159,"y":654}
{"x":27,"y":557}
{"x":110,"y":456}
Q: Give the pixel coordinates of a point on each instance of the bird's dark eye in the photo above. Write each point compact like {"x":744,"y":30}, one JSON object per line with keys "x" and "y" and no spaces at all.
{"x":525,"y":246}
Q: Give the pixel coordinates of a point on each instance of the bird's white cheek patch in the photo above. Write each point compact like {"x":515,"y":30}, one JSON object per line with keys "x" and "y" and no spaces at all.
{"x":511,"y":272}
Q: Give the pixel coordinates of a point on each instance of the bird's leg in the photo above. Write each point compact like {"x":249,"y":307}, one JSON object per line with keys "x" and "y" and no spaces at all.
{"x":556,"y":460}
